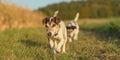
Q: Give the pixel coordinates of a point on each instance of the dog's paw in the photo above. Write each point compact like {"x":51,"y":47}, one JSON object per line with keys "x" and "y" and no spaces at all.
{"x":54,"y":52}
{"x":58,"y":50}
{"x":63,"y":52}
{"x":70,"y":40}
{"x":75,"y":39}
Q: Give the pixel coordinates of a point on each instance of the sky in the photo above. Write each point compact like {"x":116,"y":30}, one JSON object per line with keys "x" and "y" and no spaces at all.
{"x":34,"y":4}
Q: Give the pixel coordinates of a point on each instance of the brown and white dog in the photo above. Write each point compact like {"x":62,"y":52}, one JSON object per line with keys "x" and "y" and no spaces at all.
{"x":73,"y":29}
{"x":57,"y":33}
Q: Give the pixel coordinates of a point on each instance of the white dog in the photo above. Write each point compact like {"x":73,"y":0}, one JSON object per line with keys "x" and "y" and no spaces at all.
{"x":57,"y":33}
{"x":73,"y":29}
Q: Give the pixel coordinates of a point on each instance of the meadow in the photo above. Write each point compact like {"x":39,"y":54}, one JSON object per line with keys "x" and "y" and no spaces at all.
{"x":12,"y":16}
{"x":94,"y":43}
{"x":22,"y":37}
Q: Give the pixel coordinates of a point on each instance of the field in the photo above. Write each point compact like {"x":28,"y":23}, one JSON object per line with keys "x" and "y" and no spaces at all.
{"x":31,"y":44}
{"x":12,"y":16}
{"x":22,"y":36}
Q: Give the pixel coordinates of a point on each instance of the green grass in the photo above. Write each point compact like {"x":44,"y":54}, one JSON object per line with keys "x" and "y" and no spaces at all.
{"x":111,"y":28}
{"x":32,"y":44}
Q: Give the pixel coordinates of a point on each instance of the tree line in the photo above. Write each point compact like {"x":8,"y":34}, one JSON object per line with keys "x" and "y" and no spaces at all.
{"x":86,"y":8}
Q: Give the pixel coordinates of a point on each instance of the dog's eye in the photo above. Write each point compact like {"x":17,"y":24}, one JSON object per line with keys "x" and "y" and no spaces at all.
{"x":53,"y":25}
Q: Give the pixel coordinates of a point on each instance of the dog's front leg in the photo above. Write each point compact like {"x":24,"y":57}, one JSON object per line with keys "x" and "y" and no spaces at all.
{"x":69,"y":38}
{"x":52,"y":46}
{"x":76,"y":36}
{"x":55,"y":45}
{"x":58,"y":49}
{"x":65,"y":41}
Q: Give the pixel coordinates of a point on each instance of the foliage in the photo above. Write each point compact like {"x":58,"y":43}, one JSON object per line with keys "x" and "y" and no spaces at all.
{"x":87,"y":9}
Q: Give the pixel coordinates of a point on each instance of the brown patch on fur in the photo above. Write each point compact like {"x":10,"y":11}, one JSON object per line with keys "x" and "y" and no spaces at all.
{"x":45,"y":20}
{"x":57,"y":20}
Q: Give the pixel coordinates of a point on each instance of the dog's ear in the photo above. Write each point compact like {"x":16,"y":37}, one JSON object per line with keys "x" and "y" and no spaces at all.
{"x":44,"y":21}
{"x":57,"y":20}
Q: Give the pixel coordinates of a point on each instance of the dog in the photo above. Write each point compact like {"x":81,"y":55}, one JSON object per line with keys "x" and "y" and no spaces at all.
{"x":56,"y":32}
{"x":73,"y":29}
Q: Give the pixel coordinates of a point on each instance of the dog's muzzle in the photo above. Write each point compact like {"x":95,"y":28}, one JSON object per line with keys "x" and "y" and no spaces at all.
{"x":49,"y":34}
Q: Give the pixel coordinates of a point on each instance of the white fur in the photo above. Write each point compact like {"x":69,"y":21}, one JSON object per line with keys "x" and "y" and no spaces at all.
{"x":74,"y":34}
{"x":76,"y":18}
{"x":61,"y":38}
{"x":55,"y":13}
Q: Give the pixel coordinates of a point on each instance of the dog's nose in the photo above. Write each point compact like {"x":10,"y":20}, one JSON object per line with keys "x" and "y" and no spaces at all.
{"x":49,"y":34}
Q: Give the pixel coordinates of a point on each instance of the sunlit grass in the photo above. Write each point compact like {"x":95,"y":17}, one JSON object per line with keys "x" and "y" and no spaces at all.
{"x":31,"y":44}
{"x":12,"y":16}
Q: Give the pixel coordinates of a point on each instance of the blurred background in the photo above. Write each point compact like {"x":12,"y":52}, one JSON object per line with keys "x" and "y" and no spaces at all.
{"x":26,"y":13}
{"x":86,"y":8}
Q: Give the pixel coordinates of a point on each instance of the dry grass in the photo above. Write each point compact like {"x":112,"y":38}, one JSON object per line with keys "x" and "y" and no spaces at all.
{"x":18,"y":17}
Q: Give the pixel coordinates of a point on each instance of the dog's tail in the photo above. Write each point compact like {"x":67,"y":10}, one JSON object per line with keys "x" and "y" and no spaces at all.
{"x":77,"y":16}
{"x":55,"y":13}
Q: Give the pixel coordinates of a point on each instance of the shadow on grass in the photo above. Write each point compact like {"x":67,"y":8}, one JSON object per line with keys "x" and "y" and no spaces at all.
{"x":30,"y":43}
{"x":113,"y":36}
{"x":110,"y":34}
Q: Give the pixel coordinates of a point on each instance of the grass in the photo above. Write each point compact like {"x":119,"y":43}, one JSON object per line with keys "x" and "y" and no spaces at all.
{"x":12,"y":16}
{"x":32,"y":44}
{"x":109,"y":29}
{"x":23,"y":44}
{"x":97,"y":40}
